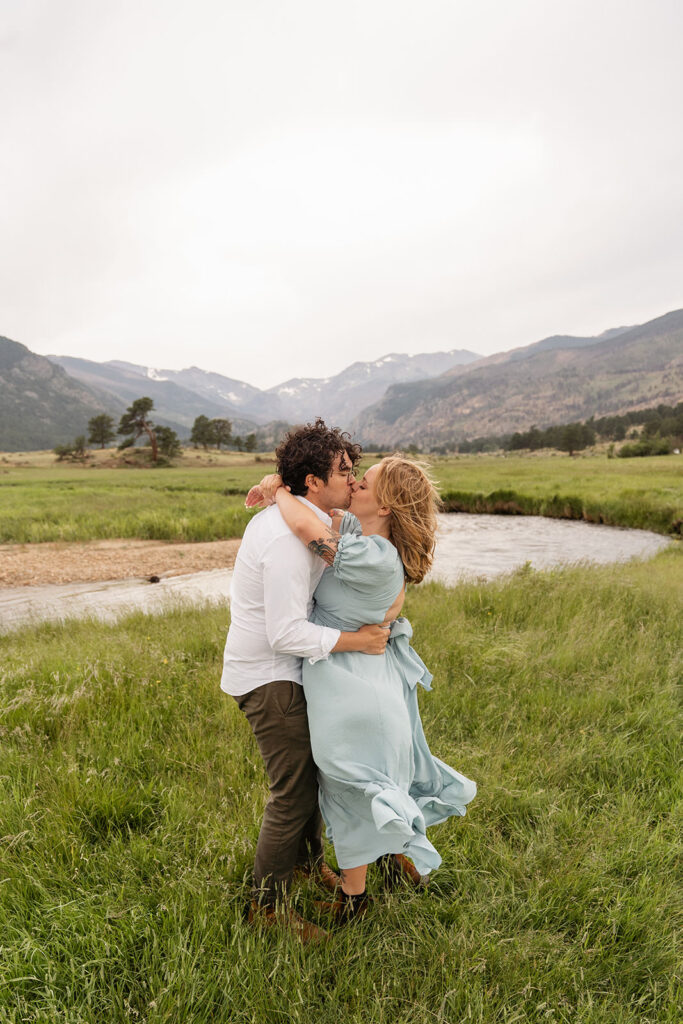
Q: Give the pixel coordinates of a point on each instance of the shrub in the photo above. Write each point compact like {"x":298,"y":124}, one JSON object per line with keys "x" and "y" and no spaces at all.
{"x":74,"y":450}
{"x":649,"y":446}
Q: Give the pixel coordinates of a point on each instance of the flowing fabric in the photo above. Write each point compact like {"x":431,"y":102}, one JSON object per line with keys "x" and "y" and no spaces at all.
{"x":380,"y":786}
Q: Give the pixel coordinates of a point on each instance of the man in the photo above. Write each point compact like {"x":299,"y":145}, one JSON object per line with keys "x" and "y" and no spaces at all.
{"x":271,"y":596}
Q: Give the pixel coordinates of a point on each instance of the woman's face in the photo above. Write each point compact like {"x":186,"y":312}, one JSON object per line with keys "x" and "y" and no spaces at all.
{"x":363,"y":497}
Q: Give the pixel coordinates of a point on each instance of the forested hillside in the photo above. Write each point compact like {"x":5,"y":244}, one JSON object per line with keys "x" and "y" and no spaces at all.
{"x":544,"y":384}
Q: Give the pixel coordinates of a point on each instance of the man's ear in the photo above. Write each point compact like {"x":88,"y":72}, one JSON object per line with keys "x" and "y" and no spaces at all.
{"x":312,"y":483}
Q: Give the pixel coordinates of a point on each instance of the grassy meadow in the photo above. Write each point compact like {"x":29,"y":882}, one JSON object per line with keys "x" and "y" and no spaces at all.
{"x":201,"y":498}
{"x":76,"y":503}
{"x":645,"y":493}
{"x":132,"y":792}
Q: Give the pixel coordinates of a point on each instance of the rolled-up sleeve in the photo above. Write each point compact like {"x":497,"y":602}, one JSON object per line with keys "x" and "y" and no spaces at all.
{"x":286,"y":588}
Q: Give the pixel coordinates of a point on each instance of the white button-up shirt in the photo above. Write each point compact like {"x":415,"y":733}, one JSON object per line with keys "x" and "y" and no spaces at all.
{"x":271,"y":597}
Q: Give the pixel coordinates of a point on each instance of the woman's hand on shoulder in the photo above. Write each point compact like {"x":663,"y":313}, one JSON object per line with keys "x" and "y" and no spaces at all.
{"x":264,"y":492}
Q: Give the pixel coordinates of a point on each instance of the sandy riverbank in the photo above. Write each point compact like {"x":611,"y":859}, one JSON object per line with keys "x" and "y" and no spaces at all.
{"x":24,"y":565}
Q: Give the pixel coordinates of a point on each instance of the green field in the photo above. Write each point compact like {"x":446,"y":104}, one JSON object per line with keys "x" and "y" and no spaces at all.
{"x":132,"y":793}
{"x":645,"y":493}
{"x":74,"y":504}
{"x":205,"y":501}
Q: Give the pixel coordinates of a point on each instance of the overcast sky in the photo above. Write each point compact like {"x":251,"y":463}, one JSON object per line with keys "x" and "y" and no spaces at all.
{"x":276,"y":188}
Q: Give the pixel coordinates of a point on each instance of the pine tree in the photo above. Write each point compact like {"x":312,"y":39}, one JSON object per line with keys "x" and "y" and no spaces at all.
{"x":135,"y":422}
{"x":101,"y":430}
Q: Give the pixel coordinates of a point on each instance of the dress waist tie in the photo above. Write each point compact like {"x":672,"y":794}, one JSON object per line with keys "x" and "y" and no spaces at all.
{"x":410,"y":664}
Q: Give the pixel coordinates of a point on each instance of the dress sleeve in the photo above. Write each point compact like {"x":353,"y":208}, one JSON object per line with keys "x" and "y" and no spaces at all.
{"x":364,"y":561}
{"x":349,"y":524}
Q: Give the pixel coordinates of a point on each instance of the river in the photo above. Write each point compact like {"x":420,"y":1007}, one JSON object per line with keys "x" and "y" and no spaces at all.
{"x":468,"y":546}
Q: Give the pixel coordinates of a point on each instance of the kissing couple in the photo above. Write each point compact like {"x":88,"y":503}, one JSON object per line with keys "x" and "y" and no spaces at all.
{"x":319,"y":660}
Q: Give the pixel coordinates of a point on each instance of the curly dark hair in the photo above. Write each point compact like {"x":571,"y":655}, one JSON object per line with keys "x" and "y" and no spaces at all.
{"x":312,"y":449}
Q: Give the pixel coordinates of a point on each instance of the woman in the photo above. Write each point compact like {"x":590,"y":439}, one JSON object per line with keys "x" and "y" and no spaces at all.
{"x":380,"y":787}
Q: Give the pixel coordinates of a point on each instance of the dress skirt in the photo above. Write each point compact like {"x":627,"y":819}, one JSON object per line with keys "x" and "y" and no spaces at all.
{"x":380,"y":786}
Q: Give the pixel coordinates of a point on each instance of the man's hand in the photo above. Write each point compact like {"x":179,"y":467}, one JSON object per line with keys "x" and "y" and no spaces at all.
{"x":366,"y":640}
{"x":264,"y":492}
{"x":373,"y":639}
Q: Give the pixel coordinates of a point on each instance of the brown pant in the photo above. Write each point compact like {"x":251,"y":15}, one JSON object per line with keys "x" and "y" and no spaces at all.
{"x":292,"y":827}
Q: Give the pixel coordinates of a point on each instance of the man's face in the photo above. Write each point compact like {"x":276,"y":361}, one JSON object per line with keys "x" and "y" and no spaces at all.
{"x":336,"y":493}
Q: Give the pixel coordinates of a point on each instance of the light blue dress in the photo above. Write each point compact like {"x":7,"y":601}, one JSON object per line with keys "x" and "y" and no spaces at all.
{"x":380,"y":787}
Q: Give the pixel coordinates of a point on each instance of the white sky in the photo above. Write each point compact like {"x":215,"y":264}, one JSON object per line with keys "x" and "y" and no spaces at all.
{"x":275,"y":188}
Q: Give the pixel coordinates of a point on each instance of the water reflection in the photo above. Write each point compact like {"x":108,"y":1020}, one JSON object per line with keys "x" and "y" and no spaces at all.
{"x":471,"y":545}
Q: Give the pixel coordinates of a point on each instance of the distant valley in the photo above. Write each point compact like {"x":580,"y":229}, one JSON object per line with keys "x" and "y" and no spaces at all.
{"x":180,"y":395}
{"x":35,"y":414}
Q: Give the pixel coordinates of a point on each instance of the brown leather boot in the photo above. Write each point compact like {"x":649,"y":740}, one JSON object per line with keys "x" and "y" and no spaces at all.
{"x":397,"y":869}
{"x":321,"y":873}
{"x":344,"y":908}
{"x":267,"y":916}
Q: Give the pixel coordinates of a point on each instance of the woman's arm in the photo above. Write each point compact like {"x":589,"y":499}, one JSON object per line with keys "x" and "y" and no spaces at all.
{"x":321,"y":539}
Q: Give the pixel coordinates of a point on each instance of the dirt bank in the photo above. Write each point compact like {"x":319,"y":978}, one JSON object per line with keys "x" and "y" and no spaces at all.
{"x":33,"y":564}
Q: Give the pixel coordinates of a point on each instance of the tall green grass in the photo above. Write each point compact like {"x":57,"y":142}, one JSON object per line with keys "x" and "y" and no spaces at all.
{"x":132,"y":793}
{"x":197,"y":504}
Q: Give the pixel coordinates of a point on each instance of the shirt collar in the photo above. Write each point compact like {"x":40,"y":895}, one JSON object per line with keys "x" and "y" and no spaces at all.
{"x":318,"y":511}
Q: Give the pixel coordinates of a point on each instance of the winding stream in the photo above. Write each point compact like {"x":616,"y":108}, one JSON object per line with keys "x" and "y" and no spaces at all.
{"x":485,"y":545}
{"x":468,"y":546}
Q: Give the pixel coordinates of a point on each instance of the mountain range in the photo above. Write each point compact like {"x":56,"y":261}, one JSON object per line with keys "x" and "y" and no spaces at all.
{"x":557,"y":380}
{"x":36,"y":415}
{"x":181,"y":395}
{"x":431,"y":399}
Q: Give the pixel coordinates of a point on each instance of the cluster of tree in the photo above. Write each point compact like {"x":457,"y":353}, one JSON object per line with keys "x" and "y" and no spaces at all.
{"x":572,"y":437}
{"x":569,"y":437}
{"x":662,"y":431}
{"x":135,"y":422}
{"x":247,"y":444}
{"x":662,"y":422}
{"x":207,"y":433}
{"x":657,"y":421}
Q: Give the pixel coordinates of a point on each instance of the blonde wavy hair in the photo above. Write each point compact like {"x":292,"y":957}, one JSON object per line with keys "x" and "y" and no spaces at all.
{"x":407,"y":489}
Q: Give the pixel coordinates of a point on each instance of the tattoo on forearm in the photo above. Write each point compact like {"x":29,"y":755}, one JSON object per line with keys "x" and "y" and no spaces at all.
{"x":325,"y":547}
